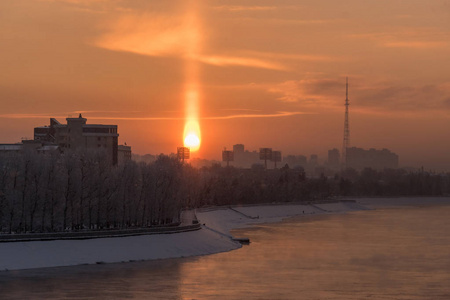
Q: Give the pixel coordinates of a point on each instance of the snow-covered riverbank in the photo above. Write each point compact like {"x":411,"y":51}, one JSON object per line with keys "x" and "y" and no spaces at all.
{"x":40,"y":254}
{"x":225,"y":219}
{"x":214,"y":237}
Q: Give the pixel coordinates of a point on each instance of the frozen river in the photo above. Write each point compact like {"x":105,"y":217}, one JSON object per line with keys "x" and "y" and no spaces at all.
{"x":390,"y":253}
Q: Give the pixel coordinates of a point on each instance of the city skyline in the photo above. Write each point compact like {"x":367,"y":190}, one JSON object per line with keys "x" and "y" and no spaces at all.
{"x":267,"y":75}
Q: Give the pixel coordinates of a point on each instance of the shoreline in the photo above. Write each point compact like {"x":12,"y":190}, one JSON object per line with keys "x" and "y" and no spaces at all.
{"x":94,"y":234}
{"x":213,"y":237}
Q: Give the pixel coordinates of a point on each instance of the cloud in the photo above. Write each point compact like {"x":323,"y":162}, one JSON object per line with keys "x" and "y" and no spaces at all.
{"x":241,"y":61}
{"x":132,"y":118}
{"x":181,"y":36}
{"x":150,"y":34}
{"x":83,"y":2}
{"x":404,"y":98}
{"x":311,"y":94}
{"x":304,"y":21}
{"x":90,"y":6}
{"x":264,"y":60}
{"x":102,"y":111}
{"x":242,"y":116}
{"x":290,"y":56}
{"x":412,"y":38}
{"x":291,"y":91}
{"x":29,"y":116}
{"x":239,"y":8}
{"x":308,"y":91}
{"x":242,"y":109}
{"x":447,"y":102}
{"x":174,"y":36}
{"x":415,"y":44}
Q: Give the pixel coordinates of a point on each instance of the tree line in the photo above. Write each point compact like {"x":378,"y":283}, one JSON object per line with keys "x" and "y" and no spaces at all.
{"x":83,"y":191}
{"x":79,"y":191}
{"x":223,"y":186}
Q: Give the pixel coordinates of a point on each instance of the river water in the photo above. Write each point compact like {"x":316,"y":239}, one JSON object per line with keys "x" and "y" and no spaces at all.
{"x":388,"y":253}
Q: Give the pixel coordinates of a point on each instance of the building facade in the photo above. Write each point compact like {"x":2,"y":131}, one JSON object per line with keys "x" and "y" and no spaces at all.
{"x":123,"y":153}
{"x":78,"y":135}
{"x":244,"y":158}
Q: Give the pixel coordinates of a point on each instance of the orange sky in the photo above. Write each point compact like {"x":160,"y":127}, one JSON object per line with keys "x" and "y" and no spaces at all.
{"x":268,"y":73}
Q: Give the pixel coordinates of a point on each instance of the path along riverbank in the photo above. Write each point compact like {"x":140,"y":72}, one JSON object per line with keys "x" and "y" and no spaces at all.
{"x":213,"y":237}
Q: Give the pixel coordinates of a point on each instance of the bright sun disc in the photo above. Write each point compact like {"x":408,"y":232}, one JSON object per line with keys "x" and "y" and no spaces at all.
{"x":192,"y":135}
{"x":192,"y":141}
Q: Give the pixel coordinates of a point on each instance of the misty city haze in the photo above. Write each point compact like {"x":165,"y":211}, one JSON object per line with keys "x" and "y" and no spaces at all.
{"x":270,"y":74}
{"x":210,"y":149}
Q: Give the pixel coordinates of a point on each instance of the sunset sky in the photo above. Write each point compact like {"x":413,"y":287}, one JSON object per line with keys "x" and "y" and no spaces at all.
{"x":264,"y":73}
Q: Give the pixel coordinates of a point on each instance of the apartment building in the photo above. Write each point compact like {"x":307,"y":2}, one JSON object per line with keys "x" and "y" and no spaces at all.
{"x":78,"y":135}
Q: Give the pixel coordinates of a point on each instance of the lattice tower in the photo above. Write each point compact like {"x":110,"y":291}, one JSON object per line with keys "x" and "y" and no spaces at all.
{"x":346,"y":143}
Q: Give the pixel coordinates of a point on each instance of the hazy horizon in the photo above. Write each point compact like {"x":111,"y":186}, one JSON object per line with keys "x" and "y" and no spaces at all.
{"x":270,"y":74}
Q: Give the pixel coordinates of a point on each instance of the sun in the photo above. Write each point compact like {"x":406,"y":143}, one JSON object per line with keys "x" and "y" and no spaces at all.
{"x":192,"y":141}
{"x":192,"y":136}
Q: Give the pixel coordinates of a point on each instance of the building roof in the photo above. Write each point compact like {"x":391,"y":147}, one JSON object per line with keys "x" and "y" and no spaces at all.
{"x":99,"y":126}
{"x":123,"y":148}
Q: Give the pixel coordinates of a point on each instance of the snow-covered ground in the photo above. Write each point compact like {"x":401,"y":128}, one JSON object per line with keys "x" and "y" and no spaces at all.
{"x":39,"y":254}
{"x":402,"y":201}
{"x":214,"y":236}
{"x":225,"y":219}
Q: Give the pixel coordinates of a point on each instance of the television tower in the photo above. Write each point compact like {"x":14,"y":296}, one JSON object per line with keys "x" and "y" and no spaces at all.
{"x":346,"y":143}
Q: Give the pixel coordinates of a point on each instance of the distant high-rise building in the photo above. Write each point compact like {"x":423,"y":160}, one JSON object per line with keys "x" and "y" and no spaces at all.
{"x":333,"y":158}
{"x":244,"y":158}
{"x":313,"y":164}
{"x":238,"y":148}
{"x":358,"y":158}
